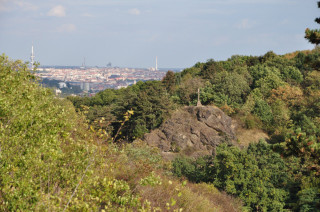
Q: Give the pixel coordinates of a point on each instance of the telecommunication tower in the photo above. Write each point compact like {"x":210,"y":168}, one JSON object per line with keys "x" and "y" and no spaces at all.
{"x":156,"y":63}
{"x":83,"y":64}
{"x":32,"y":58}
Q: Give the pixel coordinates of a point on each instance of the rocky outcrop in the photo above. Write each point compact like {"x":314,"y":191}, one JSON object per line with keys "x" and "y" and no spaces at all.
{"x":194,"y":131}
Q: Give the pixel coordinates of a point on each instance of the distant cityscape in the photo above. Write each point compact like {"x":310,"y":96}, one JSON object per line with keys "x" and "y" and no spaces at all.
{"x":82,"y":80}
{"x":93,"y":80}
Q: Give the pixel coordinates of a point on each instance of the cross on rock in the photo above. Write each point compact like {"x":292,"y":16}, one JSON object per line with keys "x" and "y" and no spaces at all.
{"x":199,"y":102}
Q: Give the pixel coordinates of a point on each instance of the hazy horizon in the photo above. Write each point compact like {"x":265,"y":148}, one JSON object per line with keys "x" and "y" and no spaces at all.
{"x":132,"y":33}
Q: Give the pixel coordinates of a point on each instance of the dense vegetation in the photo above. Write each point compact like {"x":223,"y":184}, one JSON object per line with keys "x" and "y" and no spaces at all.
{"x":279,"y":94}
{"x":46,"y":148}
{"x":149,"y":101}
{"x":258,"y":175}
{"x":52,"y":160}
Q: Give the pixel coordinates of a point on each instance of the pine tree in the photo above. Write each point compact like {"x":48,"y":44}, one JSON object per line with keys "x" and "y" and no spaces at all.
{"x":313,"y":36}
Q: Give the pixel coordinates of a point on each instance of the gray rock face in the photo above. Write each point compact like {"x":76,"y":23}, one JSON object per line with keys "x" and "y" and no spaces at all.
{"x":194,"y":131}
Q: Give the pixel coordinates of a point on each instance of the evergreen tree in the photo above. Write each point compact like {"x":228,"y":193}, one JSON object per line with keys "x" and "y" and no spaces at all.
{"x":313,"y":36}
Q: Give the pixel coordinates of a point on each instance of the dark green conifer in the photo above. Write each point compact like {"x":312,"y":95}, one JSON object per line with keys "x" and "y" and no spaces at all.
{"x":313,"y":35}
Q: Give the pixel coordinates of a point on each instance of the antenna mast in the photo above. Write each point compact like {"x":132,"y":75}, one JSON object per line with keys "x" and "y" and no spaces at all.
{"x":32,"y":58}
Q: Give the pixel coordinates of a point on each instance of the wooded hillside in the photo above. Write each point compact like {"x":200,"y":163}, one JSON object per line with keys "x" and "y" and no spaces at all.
{"x":51,"y":159}
{"x":279,"y":94}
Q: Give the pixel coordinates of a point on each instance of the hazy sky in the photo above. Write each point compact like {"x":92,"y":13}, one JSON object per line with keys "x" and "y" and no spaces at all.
{"x":131,"y":33}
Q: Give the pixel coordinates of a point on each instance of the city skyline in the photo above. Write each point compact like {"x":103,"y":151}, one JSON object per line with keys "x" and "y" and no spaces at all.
{"x":134,"y":33}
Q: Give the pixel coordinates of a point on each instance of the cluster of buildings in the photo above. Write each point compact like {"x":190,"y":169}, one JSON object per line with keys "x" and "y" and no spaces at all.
{"x":96,"y":79}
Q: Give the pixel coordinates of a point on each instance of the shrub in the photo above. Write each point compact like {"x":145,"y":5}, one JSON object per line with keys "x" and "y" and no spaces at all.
{"x":256,"y":175}
{"x":40,"y":138}
{"x":196,"y":170}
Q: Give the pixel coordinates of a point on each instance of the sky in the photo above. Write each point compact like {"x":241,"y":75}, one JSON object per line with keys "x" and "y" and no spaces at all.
{"x":132,"y":33}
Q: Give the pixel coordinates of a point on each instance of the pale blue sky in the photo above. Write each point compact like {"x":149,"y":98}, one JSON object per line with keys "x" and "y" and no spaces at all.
{"x":131,"y":33}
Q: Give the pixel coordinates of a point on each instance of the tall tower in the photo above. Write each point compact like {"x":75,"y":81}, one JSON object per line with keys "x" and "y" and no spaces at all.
{"x":156,"y":63}
{"x":83,"y":64}
{"x":32,"y":58}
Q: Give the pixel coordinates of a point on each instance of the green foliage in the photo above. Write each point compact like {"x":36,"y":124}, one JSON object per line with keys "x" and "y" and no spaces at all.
{"x":257,"y":175}
{"x":149,"y":101}
{"x":263,"y":111}
{"x":279,"y":94}
{"x":309,"y":195}
{"x":100,"y":117}
{"x":252,"y":122}
{"x":78,"y":102}
{"x":269,"y":56}
{"x":292,"y":75}
{"x":309,"y":199}
{"x":151,"y":180}
{"x":233,"y":85}
{"x":312,"y":80}
{"x":106,"y":97}
{"x":49,"y":160}
{"x":269,"y":88}
{"x":281,"y":115}
{"x":142,"y":153}
{"x":259,"y":71}
{"x":237,"y":61}
{"x":194,"y":170}
{"x":169,"y":82}
{"x":210,"y":68}
{"x":187,"y":91}
{"x":269,"y":82}
{"x":313,"y":36}
{"x":151,"y":107}
{"x":38,"y":152}
{"x":299,"y":144}
{"x":193,"y":71}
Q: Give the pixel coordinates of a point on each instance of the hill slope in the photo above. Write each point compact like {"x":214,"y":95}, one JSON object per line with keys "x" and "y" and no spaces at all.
{"x":52,"y":160}
{"x":277,"y":96}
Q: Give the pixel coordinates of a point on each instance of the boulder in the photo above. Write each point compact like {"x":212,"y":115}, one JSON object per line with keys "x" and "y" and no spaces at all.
{"x":193,"y":130}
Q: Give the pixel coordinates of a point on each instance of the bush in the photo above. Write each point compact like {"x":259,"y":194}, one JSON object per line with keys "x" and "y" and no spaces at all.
{"x":40,"y":138}
{"x":195,"y":170}
{"x":256,"y":175}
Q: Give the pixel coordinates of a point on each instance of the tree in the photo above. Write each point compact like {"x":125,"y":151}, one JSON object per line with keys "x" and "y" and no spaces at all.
{"x":269,"y":82}
{"x":313,"y":36}
{"x":312,"y":80}
{"x":188,"y":90}
{"x":169,"y":82}
{"x":210,"y":68}
{"x":150,"y":104}
{"x":257,"y":175}
{"x":233,"y":85}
